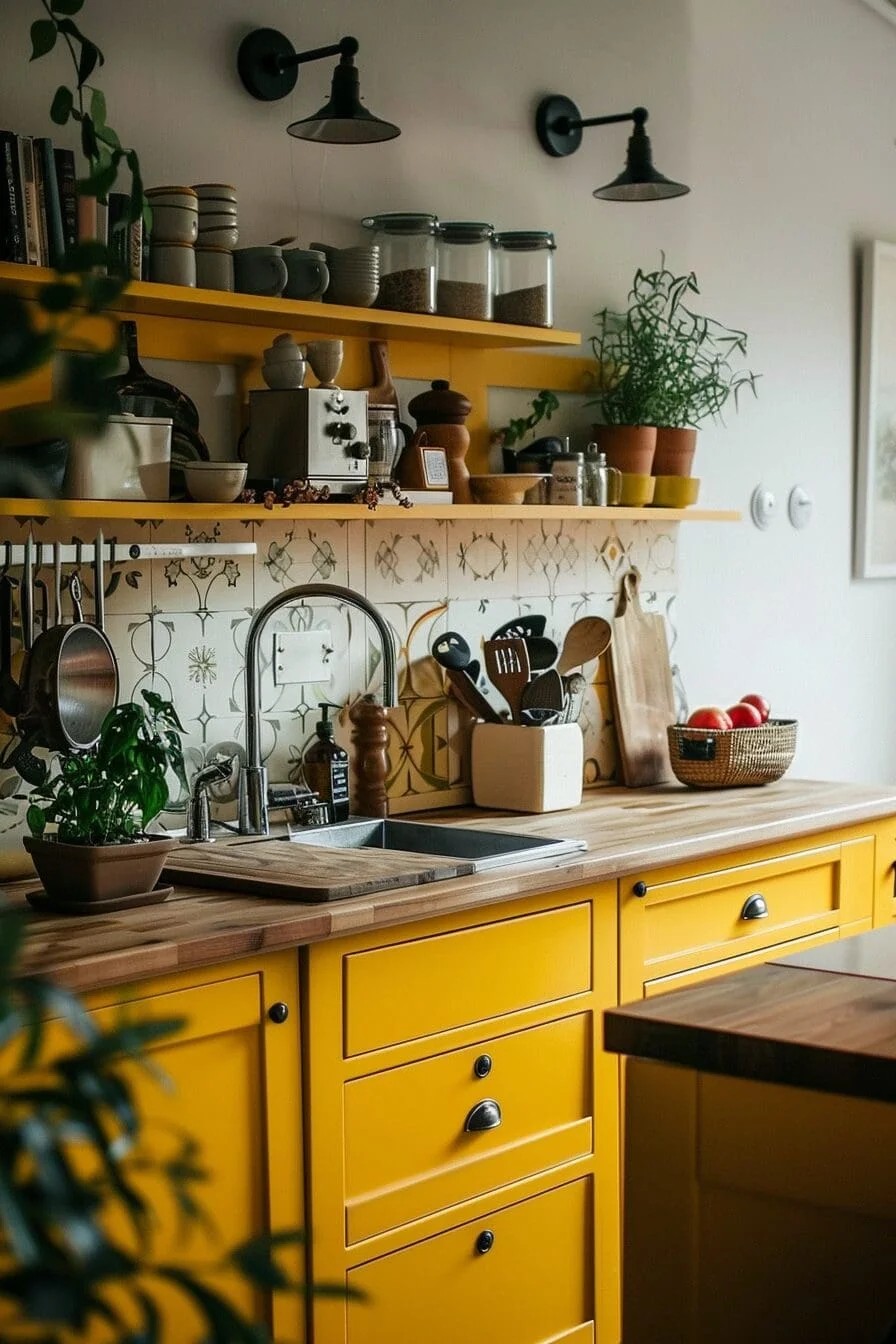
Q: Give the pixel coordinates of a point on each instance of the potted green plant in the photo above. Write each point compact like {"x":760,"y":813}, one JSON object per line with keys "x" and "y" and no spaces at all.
{"x":100,"y":803}
{"x":543,"y":405}
{"x":665,"y":369}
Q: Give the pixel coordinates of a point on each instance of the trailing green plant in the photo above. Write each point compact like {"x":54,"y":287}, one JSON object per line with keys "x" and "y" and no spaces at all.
{"x":543,"y":404}
{"x":86,"y":279}
{"x":73,"y":1151}
{"x":112,"y":792}
{"x":662,"y":363}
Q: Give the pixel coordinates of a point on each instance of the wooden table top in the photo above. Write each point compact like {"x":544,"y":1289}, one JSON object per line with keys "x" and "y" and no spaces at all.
{"x":628,"y":832}
{"x":823,"y":1019}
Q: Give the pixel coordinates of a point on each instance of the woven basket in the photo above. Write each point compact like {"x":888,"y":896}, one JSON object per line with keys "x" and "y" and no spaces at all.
{"x":708,"y":759}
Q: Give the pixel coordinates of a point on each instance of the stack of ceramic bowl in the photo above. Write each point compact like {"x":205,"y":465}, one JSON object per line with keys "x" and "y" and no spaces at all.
{"x":354,"y":274}
{"x":218,"y":234}
{"x":175,"y":224}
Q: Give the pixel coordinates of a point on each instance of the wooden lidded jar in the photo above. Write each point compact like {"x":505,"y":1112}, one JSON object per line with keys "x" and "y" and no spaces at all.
{"x":440,"y":414}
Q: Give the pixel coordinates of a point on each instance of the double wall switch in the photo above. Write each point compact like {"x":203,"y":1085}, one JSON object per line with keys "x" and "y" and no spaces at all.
{"x":303,"y":656}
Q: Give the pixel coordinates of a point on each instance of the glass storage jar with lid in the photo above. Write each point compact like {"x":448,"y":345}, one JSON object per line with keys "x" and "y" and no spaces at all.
{"x":407,"y":244}
{"x":524,"y":278}
{"x":464,"y":285}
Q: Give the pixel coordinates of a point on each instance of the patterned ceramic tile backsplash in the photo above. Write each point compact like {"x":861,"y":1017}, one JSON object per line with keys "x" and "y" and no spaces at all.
{"x":179,"y":627}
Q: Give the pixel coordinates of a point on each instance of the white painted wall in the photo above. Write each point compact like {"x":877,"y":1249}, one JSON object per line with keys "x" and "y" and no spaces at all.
{"x":781,"y":114}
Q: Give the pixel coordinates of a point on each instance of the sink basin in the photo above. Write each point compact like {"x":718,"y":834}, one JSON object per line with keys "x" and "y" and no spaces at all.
{"x":483,"y":849}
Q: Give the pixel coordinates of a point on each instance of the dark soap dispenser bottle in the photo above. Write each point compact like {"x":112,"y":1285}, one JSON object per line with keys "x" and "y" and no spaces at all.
{"x":325,"y":768}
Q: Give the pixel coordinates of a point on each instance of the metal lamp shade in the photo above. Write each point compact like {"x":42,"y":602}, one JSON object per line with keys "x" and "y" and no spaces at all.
{"x":640,"y":181}
{"x":344,"y":120}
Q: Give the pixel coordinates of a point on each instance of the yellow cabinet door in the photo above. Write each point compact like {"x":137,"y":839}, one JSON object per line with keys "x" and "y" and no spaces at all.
{"x":234,"y":1088}
{"x":522,"y":1275}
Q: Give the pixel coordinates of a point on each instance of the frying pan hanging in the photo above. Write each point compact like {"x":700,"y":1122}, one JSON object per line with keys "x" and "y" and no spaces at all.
{"x":69,"y":685}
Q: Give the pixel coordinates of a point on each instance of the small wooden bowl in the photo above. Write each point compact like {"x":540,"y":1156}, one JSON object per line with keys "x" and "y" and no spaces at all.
{"x":509,"y":489}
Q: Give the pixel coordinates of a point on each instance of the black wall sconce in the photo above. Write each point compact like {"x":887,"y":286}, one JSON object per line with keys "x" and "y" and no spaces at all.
{"x":268,"y":66}
{"x":558,"y":125}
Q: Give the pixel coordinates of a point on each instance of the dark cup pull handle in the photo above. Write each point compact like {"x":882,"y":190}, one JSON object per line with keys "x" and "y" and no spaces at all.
{"x":755,"y":907}
{"x":697,"y":748}
{"x":485,"y":1115}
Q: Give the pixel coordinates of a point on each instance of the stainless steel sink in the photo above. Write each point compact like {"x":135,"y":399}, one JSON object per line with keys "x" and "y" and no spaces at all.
{"x":483,"y":849}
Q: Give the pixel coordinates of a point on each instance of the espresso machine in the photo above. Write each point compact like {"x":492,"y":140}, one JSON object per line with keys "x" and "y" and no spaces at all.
{"x":318,"y":434}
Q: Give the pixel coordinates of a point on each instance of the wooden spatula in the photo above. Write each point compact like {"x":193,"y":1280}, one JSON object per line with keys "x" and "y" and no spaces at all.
{"x":507,"y":665}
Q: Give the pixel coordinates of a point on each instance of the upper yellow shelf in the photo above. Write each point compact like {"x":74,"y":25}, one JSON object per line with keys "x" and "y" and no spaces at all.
{"x":175,"y":511}
{"x":252,"y":310}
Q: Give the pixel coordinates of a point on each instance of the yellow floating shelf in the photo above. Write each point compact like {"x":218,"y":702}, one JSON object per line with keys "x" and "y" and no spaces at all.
{"x":257,"y":513}
{"x":143,"y":297}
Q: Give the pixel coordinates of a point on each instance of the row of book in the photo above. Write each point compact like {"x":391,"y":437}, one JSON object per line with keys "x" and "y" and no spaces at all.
{"x":42,"y":215}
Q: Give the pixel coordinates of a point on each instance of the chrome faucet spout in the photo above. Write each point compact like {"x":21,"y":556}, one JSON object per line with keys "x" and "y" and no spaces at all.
{"x":253,"y":808}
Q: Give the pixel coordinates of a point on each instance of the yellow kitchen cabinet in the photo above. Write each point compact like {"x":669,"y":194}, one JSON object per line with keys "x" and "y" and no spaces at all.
{"x":235,"y":1075}
{"x":694,"y":920}
{"x":462,"y":1126}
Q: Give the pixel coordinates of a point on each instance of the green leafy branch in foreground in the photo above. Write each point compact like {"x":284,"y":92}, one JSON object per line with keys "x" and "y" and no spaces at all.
{"x":72,"y":1151}
{"x":86,"y":278}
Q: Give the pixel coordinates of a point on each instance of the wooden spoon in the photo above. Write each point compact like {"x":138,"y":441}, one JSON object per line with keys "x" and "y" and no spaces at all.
{"x":585,"y":640}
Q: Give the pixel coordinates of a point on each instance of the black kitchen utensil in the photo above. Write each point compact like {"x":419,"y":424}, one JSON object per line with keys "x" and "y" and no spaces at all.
{"x":574,"y":687}
{"x":542,"y":652}
{"x":522,"y":627}
{"x":451,"y":650}
{"x":544,"y":692}
{"x":539,"y":718}
{"x":9,"y":687}
{"x":507,"y":665}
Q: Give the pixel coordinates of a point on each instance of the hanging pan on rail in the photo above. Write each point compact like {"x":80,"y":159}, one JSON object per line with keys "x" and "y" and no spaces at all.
{"x":70,"y":681}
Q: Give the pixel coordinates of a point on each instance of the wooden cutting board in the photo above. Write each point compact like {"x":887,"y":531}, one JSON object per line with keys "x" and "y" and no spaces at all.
{"x":300,"y":872}
{"x":641,"y":686}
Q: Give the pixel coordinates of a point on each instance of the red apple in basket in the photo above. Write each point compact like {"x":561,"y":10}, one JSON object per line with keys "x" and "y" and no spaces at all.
{"x":745,"y":715}
{"x":760,"y":703}
{"x":710,"y":716}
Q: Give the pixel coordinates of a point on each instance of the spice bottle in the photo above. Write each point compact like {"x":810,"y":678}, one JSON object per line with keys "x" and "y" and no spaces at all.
{"x":524,"y":278}
{"x":568,"y":478}
{"x":325,"y":768}
{"x":407,"y":244}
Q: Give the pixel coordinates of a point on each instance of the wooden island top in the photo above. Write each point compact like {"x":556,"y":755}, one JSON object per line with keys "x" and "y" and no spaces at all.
{"x":628,"y":832}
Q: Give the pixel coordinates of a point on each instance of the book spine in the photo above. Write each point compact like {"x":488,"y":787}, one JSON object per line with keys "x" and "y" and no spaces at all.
{"x":102,"y":222}
{"x":55,"y":241}
{"x":135,"y":249}
{"x":118,"y":232}
{"x":12,"y":223}
{"x":68,"y":197}
{"x":29,"y":197}
{"x":43,"y":243}
{"x":85,"y":208}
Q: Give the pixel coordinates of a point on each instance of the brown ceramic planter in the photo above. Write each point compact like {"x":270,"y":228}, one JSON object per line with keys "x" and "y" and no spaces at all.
{"x":97,"y":872}
{"x":629,"y":448}
{"x":675,"y":450}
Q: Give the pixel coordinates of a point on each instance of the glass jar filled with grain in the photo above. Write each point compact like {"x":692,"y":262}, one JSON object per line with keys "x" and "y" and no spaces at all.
{"x":407,"y":244}
{"x":524,"y":278}
{"x":464,"y":286}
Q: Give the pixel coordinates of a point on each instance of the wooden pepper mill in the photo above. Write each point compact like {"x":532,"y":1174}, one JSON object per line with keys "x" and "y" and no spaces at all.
{"x":440,"y":414}
{"x":369,"y":739}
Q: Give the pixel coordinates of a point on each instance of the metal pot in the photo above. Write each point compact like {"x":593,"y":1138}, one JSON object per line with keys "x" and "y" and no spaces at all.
{"x":69,"y":685}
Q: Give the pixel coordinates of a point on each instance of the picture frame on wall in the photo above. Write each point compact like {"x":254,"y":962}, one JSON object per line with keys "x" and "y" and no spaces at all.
{"x":875,"y":551}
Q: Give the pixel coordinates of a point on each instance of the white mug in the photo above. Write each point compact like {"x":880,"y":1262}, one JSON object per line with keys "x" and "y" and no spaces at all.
{"x":214,"y":268}
{"x":172,"y":263}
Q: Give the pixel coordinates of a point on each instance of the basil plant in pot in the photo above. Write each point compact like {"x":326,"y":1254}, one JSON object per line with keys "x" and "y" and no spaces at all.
{"x":664,"y":370}
{"x":100,"y":802}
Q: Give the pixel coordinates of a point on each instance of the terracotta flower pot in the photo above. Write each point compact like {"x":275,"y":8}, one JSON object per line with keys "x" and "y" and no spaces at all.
{"x":629,"y":448}
{"x":675,"y":450}
{"x":97,"y":872}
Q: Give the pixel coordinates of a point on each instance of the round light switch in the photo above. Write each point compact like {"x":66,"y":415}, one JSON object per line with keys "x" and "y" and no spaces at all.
{"x":799,"y":506}
{"x":762,"y":506}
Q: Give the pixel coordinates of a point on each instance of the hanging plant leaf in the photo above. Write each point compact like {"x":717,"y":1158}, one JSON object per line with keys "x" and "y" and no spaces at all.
{"x":61,"y":106}
{"x":43,"y":37}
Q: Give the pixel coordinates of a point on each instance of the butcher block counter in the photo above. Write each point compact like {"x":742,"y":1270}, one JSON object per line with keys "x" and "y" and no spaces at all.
{"x":628,"y":833}
{"x":771,"y":1181}
{"x":416,"y":1075}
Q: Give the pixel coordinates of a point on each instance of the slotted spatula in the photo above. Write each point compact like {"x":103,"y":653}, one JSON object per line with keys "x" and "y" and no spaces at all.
{"x":507,"y":665}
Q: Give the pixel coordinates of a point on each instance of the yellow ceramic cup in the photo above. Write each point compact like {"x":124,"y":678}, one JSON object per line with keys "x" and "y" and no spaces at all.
{"x":637,"y":489}
{"x":675,"y":492}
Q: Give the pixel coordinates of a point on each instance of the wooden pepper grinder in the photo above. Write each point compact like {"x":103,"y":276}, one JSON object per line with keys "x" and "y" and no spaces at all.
{"x":440,"y":415}
{"x":369,"y":739}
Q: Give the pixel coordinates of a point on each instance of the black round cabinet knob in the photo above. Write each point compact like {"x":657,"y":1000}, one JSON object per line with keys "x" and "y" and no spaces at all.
{"x":278,"y":1012}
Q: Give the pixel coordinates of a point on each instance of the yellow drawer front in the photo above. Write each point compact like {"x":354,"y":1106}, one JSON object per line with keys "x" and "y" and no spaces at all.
{"x":531,"y":1285}
{"x":802,"y":893}
{"x":407,"y":1151}
{"x":427,"y":985}
{"x":716,"y":968}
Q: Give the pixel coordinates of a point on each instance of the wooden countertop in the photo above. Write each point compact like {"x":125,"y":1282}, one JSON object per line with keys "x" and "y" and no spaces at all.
{"x":823,"y":1019}
{"x":628,"y":832}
